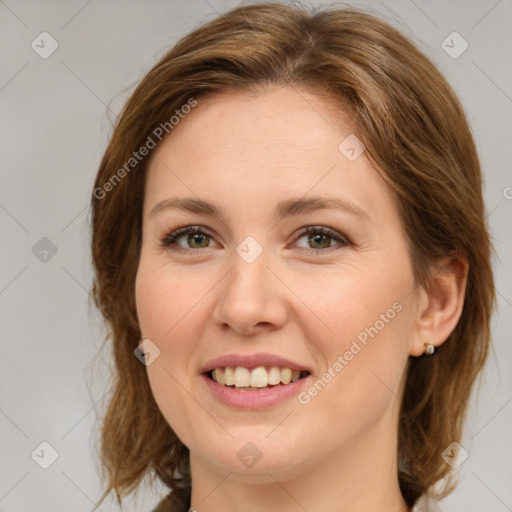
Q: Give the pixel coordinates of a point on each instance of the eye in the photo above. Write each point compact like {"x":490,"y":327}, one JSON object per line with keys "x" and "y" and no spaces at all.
{"x":196,"y":236}
{"x":319,"y":238}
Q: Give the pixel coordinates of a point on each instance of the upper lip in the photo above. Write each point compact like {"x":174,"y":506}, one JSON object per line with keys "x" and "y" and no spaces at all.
{"x":252,"y":361}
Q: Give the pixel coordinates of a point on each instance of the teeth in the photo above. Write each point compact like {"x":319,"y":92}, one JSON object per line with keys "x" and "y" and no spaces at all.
{"x":286,"y":375}
{"x":274,"y":376}
{"x":243,"y":378}
{"x":218,"y":375}
{"x":259,"y":377}
{"x":229,"y":376}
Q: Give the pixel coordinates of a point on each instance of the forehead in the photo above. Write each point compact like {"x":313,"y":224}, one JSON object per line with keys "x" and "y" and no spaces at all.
{"x":278,"y":117}
{"x":252,"y":148}
{"x":282,"y":121}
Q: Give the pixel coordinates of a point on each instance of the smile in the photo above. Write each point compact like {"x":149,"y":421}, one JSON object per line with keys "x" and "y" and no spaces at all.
{"x":261,"y":377}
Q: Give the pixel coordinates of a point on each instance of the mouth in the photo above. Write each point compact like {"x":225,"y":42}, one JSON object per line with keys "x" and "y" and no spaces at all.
{"x":255,"y":379}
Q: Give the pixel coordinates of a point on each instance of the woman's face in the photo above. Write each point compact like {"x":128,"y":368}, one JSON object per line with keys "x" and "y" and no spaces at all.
{"x":250,"y":289}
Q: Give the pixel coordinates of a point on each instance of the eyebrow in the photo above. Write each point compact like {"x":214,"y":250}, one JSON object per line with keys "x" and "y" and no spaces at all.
{"x":283,"y":209}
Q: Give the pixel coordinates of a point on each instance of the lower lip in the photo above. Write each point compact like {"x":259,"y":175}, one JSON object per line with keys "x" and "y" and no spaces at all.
{"x":261,"y":399}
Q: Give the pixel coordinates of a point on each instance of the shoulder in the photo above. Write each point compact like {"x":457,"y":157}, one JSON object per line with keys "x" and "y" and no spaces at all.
{"x":165,"y":505}
{"x":177,"y":500}
{"x":426,"y":503}
{"x":173,"y":504}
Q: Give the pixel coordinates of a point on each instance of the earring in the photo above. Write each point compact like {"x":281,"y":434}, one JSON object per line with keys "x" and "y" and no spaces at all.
{"x":429,"y":349}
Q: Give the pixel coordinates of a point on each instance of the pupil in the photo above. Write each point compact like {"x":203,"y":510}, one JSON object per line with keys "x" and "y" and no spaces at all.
{"x":193,"y":238}
{"x":318,"y":239}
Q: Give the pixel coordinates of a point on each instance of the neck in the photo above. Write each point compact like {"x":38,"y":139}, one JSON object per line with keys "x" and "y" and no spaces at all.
{"x":356,"y":478}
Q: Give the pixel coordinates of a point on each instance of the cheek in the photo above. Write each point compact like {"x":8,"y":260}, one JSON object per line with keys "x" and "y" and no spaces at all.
{"x":166,"y":305}
{"x":360,"y":384}
{"x":159,"y":312}
{"x":167,"y":317}
{"x":354,"y":303}
{"x":154,"y":301}
{"x":370,"y":322}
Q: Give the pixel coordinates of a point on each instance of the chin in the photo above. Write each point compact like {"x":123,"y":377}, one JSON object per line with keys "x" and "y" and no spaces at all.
{"x":252,"y":457}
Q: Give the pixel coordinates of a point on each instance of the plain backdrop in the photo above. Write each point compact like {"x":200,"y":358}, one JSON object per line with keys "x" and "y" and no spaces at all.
{"x":54,"y":128}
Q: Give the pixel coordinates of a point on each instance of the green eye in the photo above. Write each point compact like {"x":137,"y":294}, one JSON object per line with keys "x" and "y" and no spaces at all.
{"x":321,"y":238}
{"x":198,"y":238}
{"x":194,"y":235}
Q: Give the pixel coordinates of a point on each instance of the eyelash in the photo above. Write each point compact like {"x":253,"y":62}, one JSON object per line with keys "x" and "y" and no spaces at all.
{"x":171,"y":237}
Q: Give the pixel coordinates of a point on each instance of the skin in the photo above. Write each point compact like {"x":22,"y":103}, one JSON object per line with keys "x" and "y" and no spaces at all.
{"x":246,"y":153}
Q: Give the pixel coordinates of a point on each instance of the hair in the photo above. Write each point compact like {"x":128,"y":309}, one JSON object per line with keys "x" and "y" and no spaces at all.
{"x":417,"y":137}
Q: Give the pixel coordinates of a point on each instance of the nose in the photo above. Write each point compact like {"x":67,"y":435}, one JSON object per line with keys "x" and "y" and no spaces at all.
{"x":251,"y":298}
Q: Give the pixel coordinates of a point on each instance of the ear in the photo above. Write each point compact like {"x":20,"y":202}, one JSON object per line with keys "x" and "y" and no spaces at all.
{"x":439,"y":306}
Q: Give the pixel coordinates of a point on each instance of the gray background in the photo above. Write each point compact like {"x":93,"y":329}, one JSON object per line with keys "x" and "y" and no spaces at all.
{"x":54,"y":129}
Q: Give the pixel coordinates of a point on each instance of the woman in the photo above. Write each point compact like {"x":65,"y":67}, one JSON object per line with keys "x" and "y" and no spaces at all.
{"x":291,"y":253}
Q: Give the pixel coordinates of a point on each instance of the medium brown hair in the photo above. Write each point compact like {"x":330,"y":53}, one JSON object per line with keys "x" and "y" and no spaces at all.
{"x":416,"y":135}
